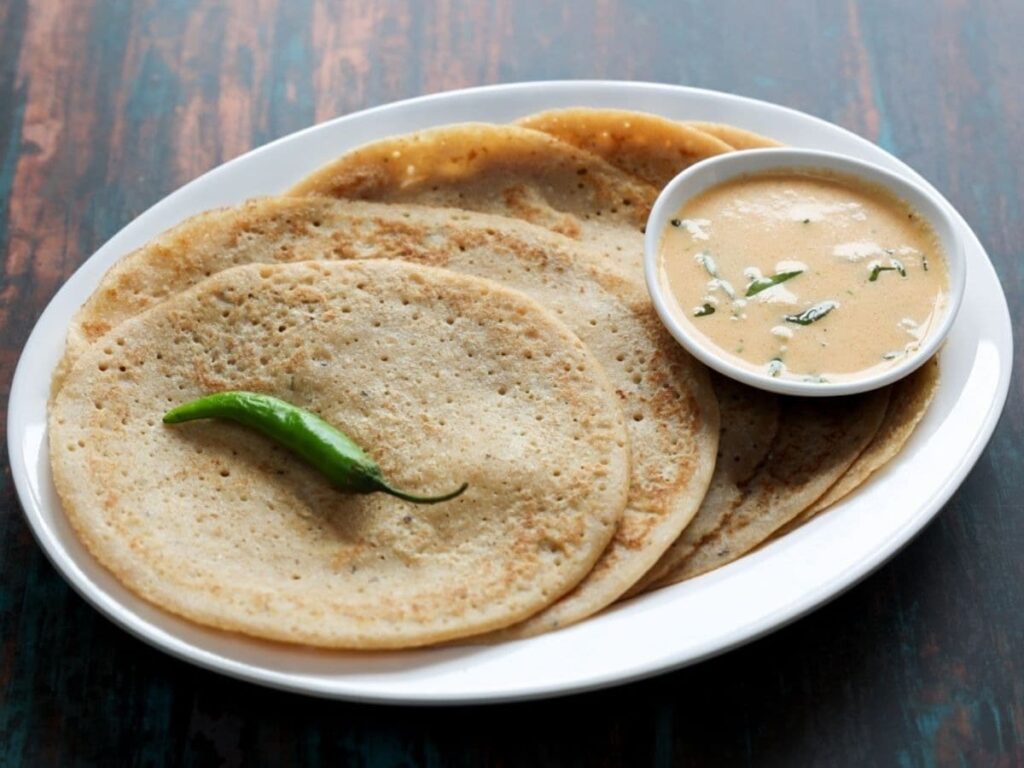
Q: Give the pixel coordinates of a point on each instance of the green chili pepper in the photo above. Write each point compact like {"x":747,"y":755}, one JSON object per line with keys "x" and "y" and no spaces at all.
{"x":328,"y":449}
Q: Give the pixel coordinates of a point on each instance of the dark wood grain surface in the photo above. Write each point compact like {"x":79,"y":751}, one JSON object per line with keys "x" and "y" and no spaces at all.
{"x":108,"y":105}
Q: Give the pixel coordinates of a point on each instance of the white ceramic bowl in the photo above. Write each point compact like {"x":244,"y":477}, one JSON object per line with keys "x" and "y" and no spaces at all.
{"x":709,"y":173}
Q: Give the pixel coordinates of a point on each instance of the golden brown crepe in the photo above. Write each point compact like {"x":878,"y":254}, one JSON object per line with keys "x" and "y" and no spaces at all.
{"x":672,"y":412}
{"x":736,"y":138}
{"x":443,"y":378}
{"x":749,"y":426}
{"x":817,"y":440}
{"x":502,"y":169}
{"x":649,"y":147}
{"x":908,"y":401}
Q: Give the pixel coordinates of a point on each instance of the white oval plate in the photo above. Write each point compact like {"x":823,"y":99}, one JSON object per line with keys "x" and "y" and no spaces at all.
{"x":651,"y":634}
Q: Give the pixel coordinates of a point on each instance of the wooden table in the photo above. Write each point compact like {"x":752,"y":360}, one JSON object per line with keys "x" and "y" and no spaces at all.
{"x":108,"y":105}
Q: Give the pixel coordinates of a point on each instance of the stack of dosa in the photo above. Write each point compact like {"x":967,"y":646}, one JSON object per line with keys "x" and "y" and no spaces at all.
{"x":449,"y":378}
{"x":671,"y":411}
{"x":553,"y":209}
{"x":647,"y":148}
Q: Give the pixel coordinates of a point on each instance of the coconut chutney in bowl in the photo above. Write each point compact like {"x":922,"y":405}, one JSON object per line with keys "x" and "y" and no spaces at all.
{"x":801,"y":272}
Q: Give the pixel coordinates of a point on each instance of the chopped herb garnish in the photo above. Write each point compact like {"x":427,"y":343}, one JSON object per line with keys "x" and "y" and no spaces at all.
{"x":705,"y":309}
{"x":775,"y":367}
{"x":762,"y":283}
{"x":924,"y":262}
{"x":705,"y":260}
{"x":812,"y":314}
{"x":807,"y":221}
{"x":895,"y":265}
{"x":676,"y":222}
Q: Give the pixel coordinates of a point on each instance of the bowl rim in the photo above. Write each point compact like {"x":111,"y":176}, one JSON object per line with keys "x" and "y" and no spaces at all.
{"x":722,"y":168}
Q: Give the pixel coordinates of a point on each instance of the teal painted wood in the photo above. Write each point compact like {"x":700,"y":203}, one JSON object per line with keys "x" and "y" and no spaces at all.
{"x":106,"y":106}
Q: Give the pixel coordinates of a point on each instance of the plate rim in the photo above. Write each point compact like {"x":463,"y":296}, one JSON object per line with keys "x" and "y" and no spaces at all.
{"x":813,"y":598}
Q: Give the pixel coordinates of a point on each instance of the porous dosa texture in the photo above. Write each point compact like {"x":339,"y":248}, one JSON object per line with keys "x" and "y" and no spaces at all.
{"x":649,"y":147}
{"x":749,"y":417}
{"x":816,"y":441}
{"x":749,"y":424}
{"x":736,"y":138}
{"x":443,"y":378}
{"x":501,"y":169}
{"x":672,"y":416}
{"x":908,"y":400}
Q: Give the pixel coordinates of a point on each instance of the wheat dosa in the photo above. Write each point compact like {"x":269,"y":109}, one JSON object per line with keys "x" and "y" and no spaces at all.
{"x":749,"y":425}
{"x":736,"y":138}
{"x":644,"y":146}
{"x":650,"y":147}
{"x":672,"y":415}
{"x":637,"y":159}
{"x":502,"y":169}
{"x":443,"y":378}
{"x":507,"y":171}
{"x":909,"y":399}
{"x":816,"y":441}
